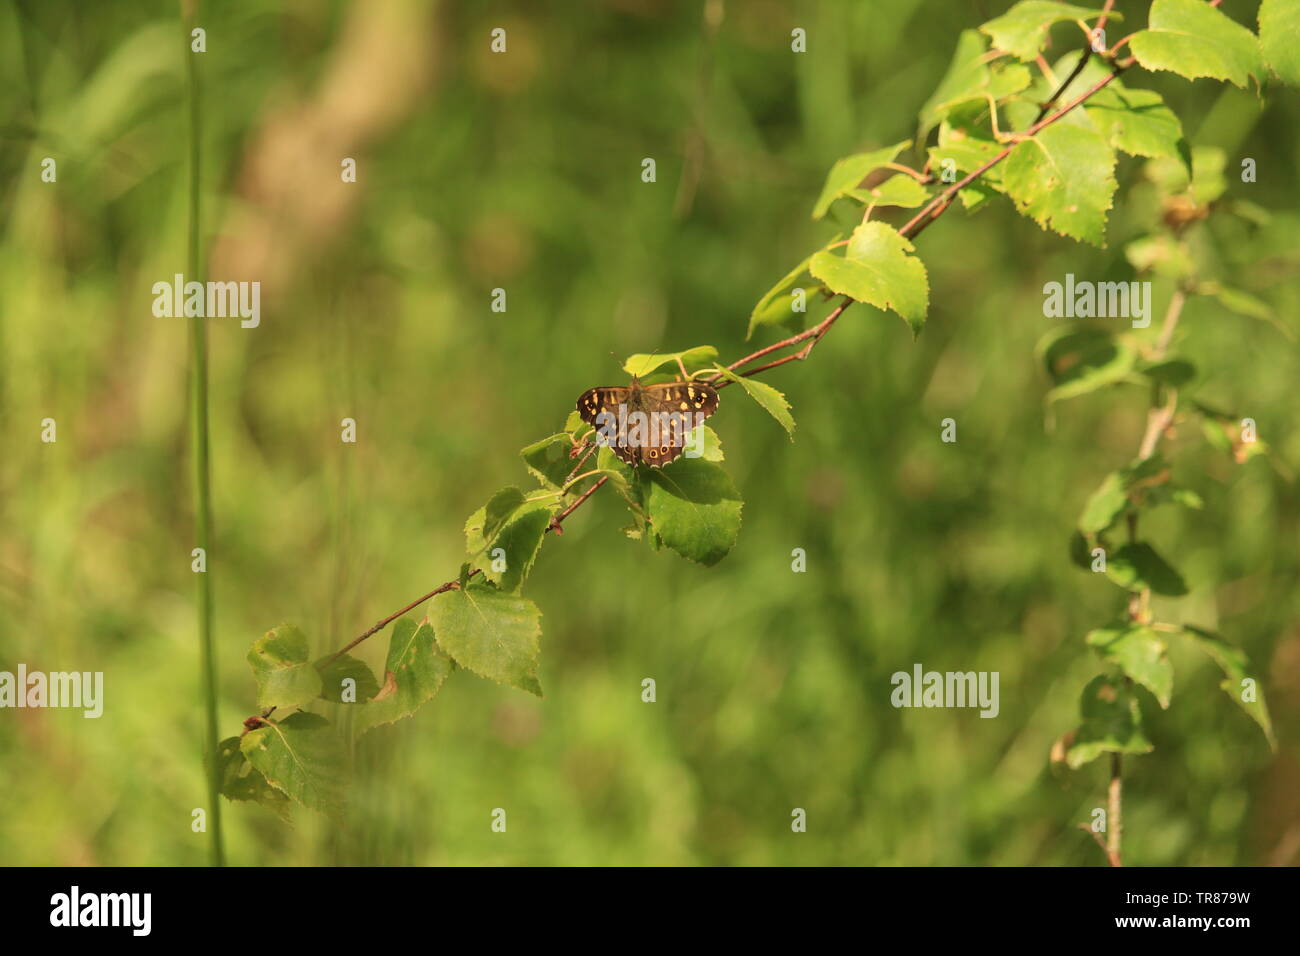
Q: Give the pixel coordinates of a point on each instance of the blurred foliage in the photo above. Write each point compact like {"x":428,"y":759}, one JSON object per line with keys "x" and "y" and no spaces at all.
{"x":522,"y":171}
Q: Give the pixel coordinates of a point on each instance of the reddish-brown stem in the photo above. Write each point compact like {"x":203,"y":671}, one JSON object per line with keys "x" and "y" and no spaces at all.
{"x":558,"y":520}
{"x":449,"y":586}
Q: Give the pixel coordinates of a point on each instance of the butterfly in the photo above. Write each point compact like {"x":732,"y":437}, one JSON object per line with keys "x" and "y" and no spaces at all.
{"x":647,"y":424}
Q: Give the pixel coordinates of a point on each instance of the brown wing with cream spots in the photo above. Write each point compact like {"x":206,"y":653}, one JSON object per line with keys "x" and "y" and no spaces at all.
{"x":677,"y":405}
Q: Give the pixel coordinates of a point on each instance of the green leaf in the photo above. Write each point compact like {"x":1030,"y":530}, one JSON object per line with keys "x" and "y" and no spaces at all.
{"x":240,"y":781}
{"x":877,"y":269}
{"x":1137,"y":567}
{"x":693,"y":508}
{"x":284,"y":675}
{"x":1173,"y":372}
{"x":1119,"y":490}
{"x":548,"y":460}
{"x":1133,"y":120}
{"x":971,"y":76}
{"x":413,"y":673}
{"x":776,"y":305}
{"x":346,"y":667}
{"x":1193,"y":39}
{"x":1279,"y":38}
{"x":899,"y":190}
{"x":629,"y":489}
{"x":303,"y":756}
{"x":516,"y":545}
{"x":848,"y":172}
{"x":1234,"y":664}
{"x":1022,"y":30}
{"x":966,"y":138}
{"x":494,"y":634}
{"x":641,"y":365}
{"x":1112,"y":723}
{"x":768,"y":398}
{"x":1206,"y":182}
{"x":1140,"y":653}
{"x":1138,"y":122}
{"x":1104,"y":506}
{"x":1174,"y":494}
{"x":1082,"y":360}
{"x":486,"y":523}
{"x":1063,"y":177}
{"x":1161,"y":254}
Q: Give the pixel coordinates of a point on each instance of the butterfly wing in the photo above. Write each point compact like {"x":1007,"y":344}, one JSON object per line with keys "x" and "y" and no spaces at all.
{"x":608,"y":398}
{"x":675,"y":407}
{"x":681,"y":407}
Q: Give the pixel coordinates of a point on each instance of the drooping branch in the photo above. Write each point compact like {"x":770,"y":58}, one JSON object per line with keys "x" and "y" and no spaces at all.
{"x":808,"y":339}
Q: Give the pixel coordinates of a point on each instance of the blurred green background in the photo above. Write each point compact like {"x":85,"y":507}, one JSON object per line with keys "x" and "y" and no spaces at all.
{"x":522,"y":171}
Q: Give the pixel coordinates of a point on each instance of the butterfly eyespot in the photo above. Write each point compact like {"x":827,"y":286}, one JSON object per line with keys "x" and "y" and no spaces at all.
{"x":653,"y":453}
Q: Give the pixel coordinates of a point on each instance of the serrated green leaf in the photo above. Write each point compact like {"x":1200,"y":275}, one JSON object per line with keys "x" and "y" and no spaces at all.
{"x":1138,"y":122}
{"x":641,"y":365}
{"x":971,"y":75}
{"x":285,"y":676}
{"x":966,"y":138}
{"x":239,"y":780}
{"x":548,"y":460}
{"x":1022,"y":30}
{"x":1112,"y":723}
{"x":773,"y":307}
{"x":516,"y":545}
{"x":1063,"y":178}
{"x":693,"y":508}
{"x":1137,"y":567}
{"x":494,"y":634}
{"x":768,"y":398}
{"x":877,"y":269}
{"x":486,"y":523}
{"x":1193,"y":39}
{"x":414,"y":672}
{"x":1140,"y":653}
{"x":1135,"y":121}
{"x":346,"y":667}
{"x":1234,"y":664}
{"x":848,"y":172}
{"x":1279,"y":38}
{"x":303,"y":756}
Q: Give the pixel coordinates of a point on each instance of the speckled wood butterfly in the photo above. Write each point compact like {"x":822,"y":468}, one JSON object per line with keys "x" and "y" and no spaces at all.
{"x":647,"y":424}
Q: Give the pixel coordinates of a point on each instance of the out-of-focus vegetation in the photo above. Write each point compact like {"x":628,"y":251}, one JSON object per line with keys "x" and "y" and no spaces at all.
{"x":523,"y":171}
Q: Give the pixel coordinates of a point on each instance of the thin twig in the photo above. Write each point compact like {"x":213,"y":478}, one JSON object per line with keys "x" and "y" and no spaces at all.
{"x":449,"y":586}
{"x":1114,"y":818}
{"x":558,"y":520}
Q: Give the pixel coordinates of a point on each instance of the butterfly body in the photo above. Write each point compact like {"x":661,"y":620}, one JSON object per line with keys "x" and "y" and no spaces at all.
{"x":647,"y":424}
